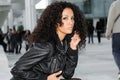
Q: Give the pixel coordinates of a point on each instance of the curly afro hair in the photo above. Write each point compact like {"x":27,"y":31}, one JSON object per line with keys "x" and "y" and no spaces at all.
{"x":52,"y":15}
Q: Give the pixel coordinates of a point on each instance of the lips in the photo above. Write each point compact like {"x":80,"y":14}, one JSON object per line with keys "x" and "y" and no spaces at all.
{"x":70,"y":28}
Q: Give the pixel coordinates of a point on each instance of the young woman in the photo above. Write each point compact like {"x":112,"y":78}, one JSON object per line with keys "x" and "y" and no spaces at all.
{"x":55,"y":40}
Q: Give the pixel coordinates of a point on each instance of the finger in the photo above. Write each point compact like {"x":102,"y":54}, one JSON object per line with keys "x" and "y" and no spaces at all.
{"x":76,"y":35}
{"x":75,"y":38}
{"x":76,"y":32}
{"x":79,"y":40}
{"x":58,"y":73}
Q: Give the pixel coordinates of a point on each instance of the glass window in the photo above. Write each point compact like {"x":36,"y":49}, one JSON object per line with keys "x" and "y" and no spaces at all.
{"x":87,"y":6}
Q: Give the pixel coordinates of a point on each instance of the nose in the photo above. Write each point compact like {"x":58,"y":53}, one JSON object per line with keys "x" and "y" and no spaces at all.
{"x":71,"y":21}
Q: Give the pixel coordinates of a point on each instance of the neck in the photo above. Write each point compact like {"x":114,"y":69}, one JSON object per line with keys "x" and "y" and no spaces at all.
{"x":61,"y":36}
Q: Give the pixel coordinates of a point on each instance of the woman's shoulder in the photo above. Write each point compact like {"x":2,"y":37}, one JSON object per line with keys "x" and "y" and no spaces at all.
{"x":42,"y":45}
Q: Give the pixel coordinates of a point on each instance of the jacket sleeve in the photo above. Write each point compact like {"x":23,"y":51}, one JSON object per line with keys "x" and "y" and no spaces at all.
{"x":111,"y":18}
{"x":71,"y":62}
{"x":23,"y":66}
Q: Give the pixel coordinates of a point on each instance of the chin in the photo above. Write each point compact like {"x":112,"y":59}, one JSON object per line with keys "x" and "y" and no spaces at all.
{"x":69,"y":32}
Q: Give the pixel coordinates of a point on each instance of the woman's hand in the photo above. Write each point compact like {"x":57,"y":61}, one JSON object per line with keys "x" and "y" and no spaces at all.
{"x":55,"y":76}
{"x":74,"y":41}
{"x":107,"y":36}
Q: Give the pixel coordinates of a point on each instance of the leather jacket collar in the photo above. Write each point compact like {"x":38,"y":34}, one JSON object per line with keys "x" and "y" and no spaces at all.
{"x":57,"y":43}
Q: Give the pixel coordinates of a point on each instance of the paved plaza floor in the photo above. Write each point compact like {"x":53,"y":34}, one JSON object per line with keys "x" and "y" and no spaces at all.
{"x":95,"y":62}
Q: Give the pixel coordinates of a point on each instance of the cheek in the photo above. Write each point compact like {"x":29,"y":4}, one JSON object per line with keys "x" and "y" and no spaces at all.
{"x":73,"y":22}
{"x":62,"y":28}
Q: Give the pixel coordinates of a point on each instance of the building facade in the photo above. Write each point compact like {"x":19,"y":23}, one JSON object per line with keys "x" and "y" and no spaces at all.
{"x":96,"y":10}
{"x":23,"y":12}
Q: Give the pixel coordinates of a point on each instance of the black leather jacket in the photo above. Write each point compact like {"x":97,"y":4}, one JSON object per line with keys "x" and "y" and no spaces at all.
{"x":27,"y":67}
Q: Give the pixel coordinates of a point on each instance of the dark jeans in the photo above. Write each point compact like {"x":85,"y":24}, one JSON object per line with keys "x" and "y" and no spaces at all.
{"x":116,"y":48}
{"x":90,"y":38}
{"x":99,"y":37}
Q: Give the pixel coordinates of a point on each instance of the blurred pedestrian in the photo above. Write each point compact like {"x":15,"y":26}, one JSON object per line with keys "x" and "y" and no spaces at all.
{"x":8,"y":38}
{"x":113,"y":29}
{"x":90,"y":29}
{"x":2,"y":42}
{"x":26,"y":39}
{"x":99,"y":30}
{"x":14,"y":41}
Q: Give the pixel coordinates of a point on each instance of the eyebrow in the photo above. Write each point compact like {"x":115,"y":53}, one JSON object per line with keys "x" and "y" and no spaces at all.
{"x":67,"y":15}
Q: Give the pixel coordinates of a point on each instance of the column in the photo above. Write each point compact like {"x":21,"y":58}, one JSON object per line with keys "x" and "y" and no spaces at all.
{"x":33,"y":13}
{"x":30,"y":14}
{"x":10,"y":19}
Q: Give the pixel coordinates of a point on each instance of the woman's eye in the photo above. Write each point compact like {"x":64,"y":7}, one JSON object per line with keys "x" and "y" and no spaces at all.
{"x":64,"y":18}
{"x":72,"y":18}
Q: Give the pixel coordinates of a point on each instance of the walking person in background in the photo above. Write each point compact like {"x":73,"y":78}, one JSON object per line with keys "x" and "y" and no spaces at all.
{"x":55,"y":40}
{"x":113,"y":29}
{"x":99,"y":30}
{"x":8,"y":38}
{"x":90,"y":29}
{"x":4,"y":45}
{"x":14,"y":41}
{"x":19,"y":40}
{"x":26,"y":39}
